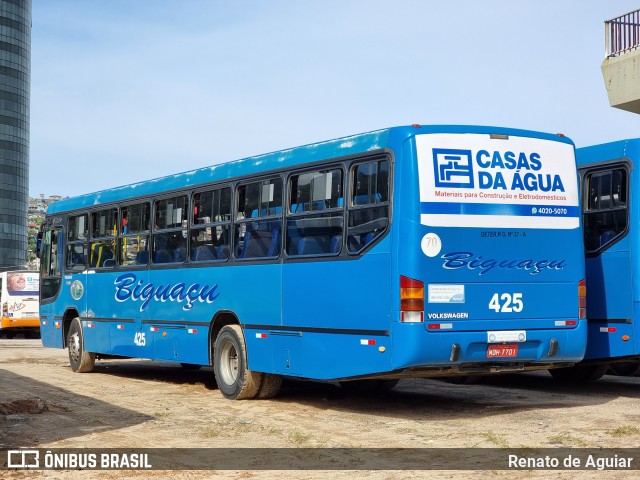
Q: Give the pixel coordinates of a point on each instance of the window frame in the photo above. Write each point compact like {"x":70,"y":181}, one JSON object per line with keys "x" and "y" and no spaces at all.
{"x":105,"y":240}
{"x":240,"y":221}
{"x":193,"y":227}
{"x":69,"y":244}
{"x":331,"y":212}
{"x":184,"y":228}
{"x":351,"y":207}
{"x":586,"y":174}
{"x":124,"y":236}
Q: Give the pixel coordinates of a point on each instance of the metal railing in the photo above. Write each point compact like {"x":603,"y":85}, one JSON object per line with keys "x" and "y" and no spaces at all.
{"x":622,"y":34}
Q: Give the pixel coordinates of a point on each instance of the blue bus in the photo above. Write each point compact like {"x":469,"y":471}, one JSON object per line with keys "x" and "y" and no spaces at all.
{"x":413,"y":251}
{"x":610,"y":211}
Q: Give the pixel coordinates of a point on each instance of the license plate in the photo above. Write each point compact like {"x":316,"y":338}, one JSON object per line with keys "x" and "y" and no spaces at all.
{"x":502,"y":351}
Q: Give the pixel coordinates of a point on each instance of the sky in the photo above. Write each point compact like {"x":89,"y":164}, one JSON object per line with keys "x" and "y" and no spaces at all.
{"x":128,"y":90}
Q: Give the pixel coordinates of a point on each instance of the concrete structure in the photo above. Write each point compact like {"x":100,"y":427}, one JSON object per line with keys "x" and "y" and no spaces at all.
{"x":15,"y":66}
{"x":621,"y":67}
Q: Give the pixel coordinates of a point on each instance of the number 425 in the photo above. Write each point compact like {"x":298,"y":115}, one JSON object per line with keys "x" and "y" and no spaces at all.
{"x":506,"y":303}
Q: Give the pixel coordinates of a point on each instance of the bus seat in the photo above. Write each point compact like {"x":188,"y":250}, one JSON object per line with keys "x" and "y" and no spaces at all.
{"x":109,"y":262}
{"x":274,"y":249}
{"x":369,"y":237}
{"x":607,"y":236}
{"x":354,"y":243}
{"x":261,"y":242}
{"x":203,"y":253}
{"x":293,"y":239}
{"x":336,"y":244}
{"x":223,"y":252}
{"x":161,"y":256}
{"x":180,"y":254}
{"x":313,"y":245}
{"x":360,"y":199}
{"x":365,"y":199}
{"x":105,"y":255}
{"x":77,"y":258}
{"x":142,"y":258}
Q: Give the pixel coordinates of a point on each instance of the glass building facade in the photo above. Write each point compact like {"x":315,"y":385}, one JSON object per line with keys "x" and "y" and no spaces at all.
{"x":15,"y":61}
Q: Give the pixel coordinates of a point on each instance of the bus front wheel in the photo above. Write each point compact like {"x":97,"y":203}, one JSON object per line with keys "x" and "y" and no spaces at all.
{"x":80,"y":360}
{"x":235,"y":381}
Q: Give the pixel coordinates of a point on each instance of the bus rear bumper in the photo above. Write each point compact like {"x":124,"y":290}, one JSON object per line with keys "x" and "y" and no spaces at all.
{"x":19,"y":322}
{"x":470,"y":352}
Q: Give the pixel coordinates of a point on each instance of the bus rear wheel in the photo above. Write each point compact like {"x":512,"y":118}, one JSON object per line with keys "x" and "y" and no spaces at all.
{"x":357,"y":387}
{"x":270,"y":386}
{"x":235,"y":381}
{"x":627,"y":369}
{"x":81,"y":361}
{"x":580,"y":373}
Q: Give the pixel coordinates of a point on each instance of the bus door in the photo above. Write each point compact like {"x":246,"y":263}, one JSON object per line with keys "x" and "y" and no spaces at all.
{"x":607,"y":242}
{"x":51,"y":330}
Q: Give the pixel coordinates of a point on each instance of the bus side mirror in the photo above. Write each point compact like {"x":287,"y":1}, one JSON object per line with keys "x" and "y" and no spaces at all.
{"x":38,"y":239}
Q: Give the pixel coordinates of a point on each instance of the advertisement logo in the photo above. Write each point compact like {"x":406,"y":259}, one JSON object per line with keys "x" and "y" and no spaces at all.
{"x":470,"y":180}
{"x":453,"y":168}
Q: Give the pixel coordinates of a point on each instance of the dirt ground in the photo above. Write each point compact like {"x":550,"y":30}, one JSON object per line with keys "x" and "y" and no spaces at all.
{"x":145,"y":404}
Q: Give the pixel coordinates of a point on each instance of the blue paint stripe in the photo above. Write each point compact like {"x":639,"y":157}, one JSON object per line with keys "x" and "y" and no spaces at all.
{"x":498,"y":209}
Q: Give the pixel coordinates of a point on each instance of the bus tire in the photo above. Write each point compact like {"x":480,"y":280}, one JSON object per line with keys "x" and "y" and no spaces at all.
{"x":190,"y":366}
{"x":626,"y":369}
{"x":369,"y":386}
{"x":270,"y":386}
{"x":235,"y":381}
{"x":580,"y":373}
{"x":463,"y":379}
{"x":80,"y":360}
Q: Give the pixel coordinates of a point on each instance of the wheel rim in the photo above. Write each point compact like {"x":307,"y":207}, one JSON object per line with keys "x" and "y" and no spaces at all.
{"x":74,"y":347}
{"x":229,"y":363}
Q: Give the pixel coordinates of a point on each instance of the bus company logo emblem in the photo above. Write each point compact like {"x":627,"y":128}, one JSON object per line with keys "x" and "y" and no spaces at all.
{"x":77,"y":290}
{"x":128,"y":287}
{"x":453,"y":168}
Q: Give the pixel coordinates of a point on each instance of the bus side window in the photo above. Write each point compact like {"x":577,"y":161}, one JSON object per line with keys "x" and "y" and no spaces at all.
{"x":169,"y":244}
{"x":211,"y":225}
{"x":259,"y":219}
{"x":77,"y":236}
{"x":605,"y":215}
{"x":50,"y":278}
{"x":134,"y":234}
{"x":369,"y":206}
{"x":315,"y":217}
{"x":104,"y":232}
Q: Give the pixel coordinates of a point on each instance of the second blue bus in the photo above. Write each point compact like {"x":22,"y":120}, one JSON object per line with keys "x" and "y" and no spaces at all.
{"x":611,"y":212}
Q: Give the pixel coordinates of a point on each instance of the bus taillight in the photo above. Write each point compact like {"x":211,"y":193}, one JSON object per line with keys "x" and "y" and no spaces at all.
{"x":5,"y":310}
{"x":411,"y":300}
{"x":582,"y":299}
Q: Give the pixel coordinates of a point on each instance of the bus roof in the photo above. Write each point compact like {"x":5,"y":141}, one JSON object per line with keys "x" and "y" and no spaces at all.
{"x":326,"y":150}
{"x":629,"y":148}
